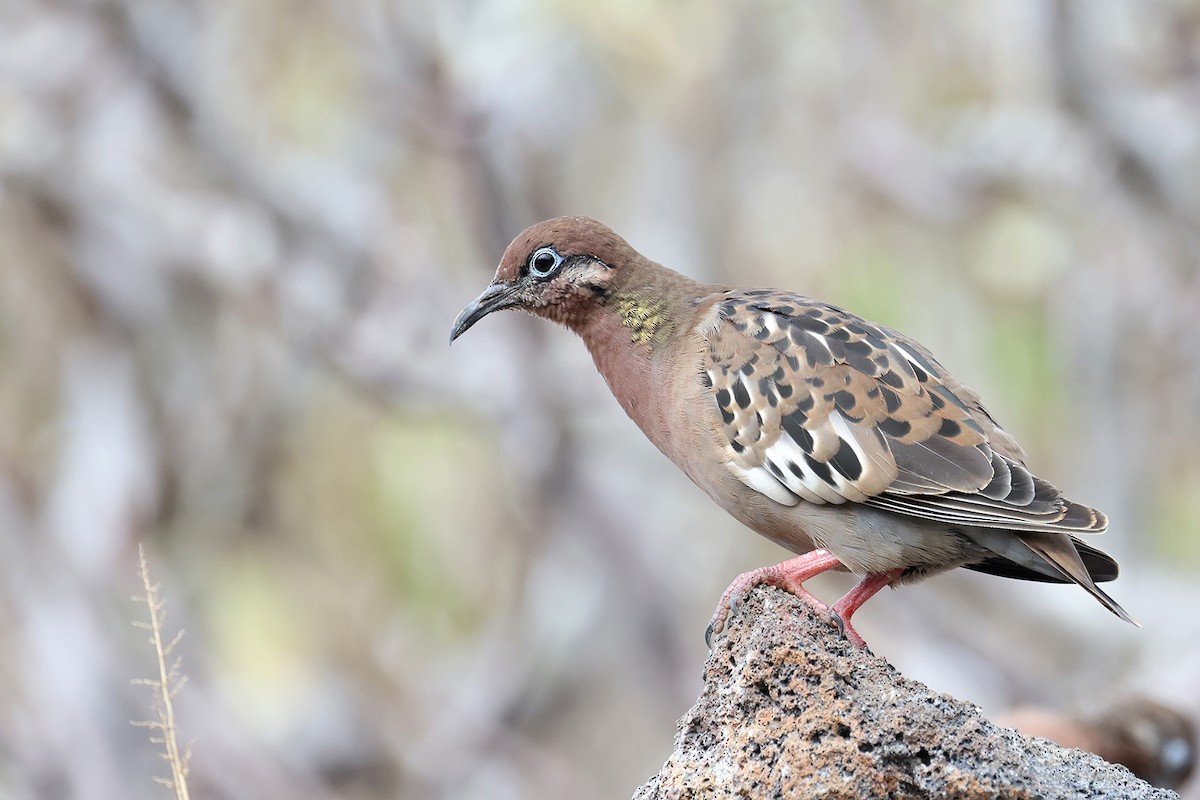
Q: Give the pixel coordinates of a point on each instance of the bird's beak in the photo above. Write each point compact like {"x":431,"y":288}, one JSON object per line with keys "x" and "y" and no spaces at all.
{"x":494,"y":297}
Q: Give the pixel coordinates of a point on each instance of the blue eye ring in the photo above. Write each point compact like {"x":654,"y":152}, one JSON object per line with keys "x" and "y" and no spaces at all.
{"x":544,"y":261}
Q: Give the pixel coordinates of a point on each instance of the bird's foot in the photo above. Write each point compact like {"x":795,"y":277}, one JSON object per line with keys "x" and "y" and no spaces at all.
{"x":789,"y":576}
{"x":846,"y":629}
{"x":863,"y":591}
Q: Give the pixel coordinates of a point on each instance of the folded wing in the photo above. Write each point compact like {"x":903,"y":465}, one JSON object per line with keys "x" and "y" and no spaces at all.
{"x":819,"y":405}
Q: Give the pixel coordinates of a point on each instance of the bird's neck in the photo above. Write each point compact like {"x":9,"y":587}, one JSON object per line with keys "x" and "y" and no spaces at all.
{"x":632,"y":334}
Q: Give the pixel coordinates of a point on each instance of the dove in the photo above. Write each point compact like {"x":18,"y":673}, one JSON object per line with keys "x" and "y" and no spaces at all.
{"x":841,"y":440}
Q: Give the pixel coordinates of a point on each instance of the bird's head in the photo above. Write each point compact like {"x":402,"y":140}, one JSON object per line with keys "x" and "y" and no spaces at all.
{"x":560,"y":269}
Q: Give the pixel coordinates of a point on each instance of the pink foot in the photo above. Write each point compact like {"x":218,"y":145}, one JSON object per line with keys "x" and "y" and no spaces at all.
{"x":788,"y":575}
{"x":863,"y":591}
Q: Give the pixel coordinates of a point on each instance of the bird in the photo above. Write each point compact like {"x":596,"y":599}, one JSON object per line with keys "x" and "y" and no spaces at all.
{"x":843,"y":441}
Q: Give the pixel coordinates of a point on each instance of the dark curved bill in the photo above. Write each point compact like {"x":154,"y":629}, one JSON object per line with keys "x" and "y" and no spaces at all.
{"x":494,"y":297}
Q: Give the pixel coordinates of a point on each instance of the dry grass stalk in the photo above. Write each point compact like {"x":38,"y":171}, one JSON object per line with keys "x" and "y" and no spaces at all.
{"x":165,"y":686}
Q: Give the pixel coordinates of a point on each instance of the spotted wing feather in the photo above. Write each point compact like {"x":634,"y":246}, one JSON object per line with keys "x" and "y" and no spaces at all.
{"x":819,"y":405}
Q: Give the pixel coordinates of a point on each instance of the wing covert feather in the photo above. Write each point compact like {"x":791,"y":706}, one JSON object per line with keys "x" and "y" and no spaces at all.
{"x":817,"y":404}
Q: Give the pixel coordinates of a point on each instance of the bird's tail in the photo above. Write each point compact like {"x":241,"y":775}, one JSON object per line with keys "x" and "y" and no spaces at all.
{"x":1053,"y":557}
{"x":1058,"y":551}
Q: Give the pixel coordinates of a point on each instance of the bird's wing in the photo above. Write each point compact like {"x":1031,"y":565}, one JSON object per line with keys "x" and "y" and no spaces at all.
{"x":818,"y":404}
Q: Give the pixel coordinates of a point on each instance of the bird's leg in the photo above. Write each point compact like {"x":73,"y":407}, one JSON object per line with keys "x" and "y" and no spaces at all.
{"x":863,"y":591}
{"x":788,"y":575}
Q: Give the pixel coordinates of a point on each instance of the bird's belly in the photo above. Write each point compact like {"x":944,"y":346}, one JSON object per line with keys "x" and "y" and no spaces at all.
{"x":868,"y":540}
{"x":865,"y":539}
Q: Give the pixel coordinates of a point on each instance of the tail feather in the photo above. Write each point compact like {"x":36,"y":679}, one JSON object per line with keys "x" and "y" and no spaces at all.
{"x":1058,"y":551}
{"x":1100,"y":566}
{"x":1051,"y":557}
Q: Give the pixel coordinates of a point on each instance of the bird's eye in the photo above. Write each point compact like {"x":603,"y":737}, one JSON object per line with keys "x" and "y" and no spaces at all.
{"x":544,"y":261}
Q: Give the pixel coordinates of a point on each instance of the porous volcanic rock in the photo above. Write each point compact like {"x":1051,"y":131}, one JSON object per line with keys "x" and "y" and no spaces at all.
{"x":791,"y":710}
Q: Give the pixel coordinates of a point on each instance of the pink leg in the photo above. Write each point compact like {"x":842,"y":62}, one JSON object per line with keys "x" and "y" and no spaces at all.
{"x":789,"y":576}
{"x":863,"y":591}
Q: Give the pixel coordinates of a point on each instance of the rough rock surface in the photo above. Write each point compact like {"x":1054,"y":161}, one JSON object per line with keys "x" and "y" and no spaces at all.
{"x":791,"y":710}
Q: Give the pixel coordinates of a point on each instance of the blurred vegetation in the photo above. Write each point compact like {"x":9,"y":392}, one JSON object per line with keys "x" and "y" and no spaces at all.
{"x":233,"y":237}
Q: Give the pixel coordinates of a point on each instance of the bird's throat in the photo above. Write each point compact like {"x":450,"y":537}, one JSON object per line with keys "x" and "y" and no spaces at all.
{"x":626,"y":332}
{"x":626,"y":347}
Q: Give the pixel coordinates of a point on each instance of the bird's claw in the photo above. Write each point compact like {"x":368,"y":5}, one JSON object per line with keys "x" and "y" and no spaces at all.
{"x":847,"y":630}
{"x":725,"y":609}
{"x":717,"y":623}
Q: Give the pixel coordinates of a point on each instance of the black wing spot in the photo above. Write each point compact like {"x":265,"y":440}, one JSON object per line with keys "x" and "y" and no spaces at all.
{"x":896,"y":428}
{"x":858,"y":356}
{"x":814,"y":354}
{"x":858,"y":330}
{"x":846,"y":462}
{"x":811,"y":324}
{"x":949,"y":429}
{"x":793,"y":424}
{"x":891,"y":399}
{"x":740,"y":394}
{"x":822,"y":471}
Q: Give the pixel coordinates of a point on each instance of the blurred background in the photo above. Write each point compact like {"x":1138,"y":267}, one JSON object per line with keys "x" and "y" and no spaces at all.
{"x":233,"y":237}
